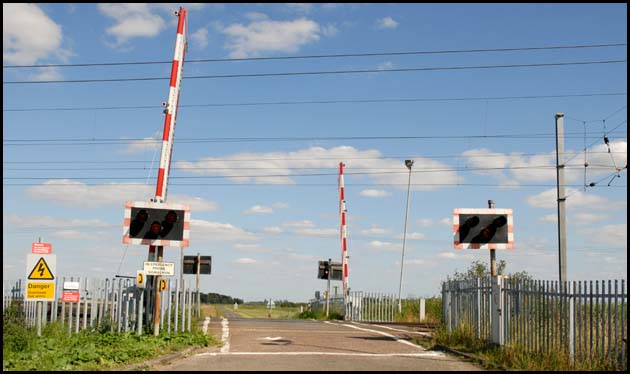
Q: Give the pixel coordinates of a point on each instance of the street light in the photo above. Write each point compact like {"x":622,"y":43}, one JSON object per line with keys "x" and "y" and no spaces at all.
{"x":408,"y":164}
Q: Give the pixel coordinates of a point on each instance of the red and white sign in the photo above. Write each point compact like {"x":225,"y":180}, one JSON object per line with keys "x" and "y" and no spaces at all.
{"x":70,"y":296}
{"x":41,"y":248}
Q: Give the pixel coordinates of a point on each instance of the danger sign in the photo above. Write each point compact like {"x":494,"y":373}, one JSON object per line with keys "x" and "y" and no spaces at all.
{"x":70,"y":296}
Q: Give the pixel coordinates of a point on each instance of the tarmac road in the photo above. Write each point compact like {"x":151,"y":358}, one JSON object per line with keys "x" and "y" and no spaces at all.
{"x":273,"y":344}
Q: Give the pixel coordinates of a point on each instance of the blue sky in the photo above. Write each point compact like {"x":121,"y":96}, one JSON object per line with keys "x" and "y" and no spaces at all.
{"x":267,"y":228}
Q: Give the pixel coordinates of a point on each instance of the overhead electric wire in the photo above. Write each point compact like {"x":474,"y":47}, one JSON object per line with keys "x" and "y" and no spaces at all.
{"x":344,"y":55}
{"x":286,"y":159}
{"x":253,"y":75}
{"x":598,"y":139}
{"x":415,"y":171}
{"x":109,"y":141}
{"x":311,"y":184}
{"x":307,"y":102}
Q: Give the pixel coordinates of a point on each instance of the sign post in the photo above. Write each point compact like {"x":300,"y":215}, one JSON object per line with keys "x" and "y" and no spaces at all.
{"x":40,"y":282}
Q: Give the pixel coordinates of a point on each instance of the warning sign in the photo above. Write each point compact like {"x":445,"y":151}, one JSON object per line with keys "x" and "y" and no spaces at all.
{"x":41,"y":271}
{"x":70,"y":296}
{"x":41,"y":291}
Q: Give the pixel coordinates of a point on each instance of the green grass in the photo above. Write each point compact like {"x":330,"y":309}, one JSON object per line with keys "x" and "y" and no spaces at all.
{"x":494,"y":357}
{"x":411,"y":311}
{"x":55,"y":350}
{"x":261,"y":311}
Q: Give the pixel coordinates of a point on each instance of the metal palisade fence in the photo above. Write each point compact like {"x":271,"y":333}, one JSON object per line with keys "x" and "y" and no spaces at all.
{"x":362,"y":306}
{"x":586,"y":320}
{"x":114,"y":304}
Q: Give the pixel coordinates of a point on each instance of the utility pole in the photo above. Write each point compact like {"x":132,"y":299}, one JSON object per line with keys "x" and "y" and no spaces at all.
{"x":328,"y":287}
{"x":562,"y":231}
{"x":198,"y":297}
{"x":408,"y":164}
{"x":343,"y":232}
{"x":493,"y":253}
{"x":168,"y":134}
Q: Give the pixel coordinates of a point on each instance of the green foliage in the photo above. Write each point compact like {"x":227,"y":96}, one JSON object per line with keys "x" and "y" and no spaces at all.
{"x":495,"y":357}
{"x":309,"y":314}
{"x":215,"y":298}
{"x":86,"y":350}
{"x":411,"y":310}
{"x":480,"y":269}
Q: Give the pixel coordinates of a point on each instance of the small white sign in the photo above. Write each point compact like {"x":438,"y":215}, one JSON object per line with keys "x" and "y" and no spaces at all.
{"x":70,"y":285}
{"x":159,"y":268}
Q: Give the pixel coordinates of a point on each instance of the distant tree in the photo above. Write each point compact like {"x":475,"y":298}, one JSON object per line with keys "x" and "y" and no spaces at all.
{"x":480,"y":269}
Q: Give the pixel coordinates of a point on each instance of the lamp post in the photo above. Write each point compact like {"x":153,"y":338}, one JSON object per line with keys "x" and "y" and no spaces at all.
{"x":408,"y":164}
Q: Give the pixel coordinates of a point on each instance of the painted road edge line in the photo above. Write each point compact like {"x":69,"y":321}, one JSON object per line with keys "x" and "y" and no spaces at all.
{"x":225,"y":336}
{"x":420,"y":354}
{"x":380,"y":333}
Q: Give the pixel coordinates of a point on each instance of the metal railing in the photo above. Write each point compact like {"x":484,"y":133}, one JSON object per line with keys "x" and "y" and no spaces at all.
{"x":586,"y":320}
{"x":115,"y":304}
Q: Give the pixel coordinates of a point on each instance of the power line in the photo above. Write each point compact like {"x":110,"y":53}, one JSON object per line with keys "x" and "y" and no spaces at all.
{"x":357,"y":101}
{"x":324,"y":72}
{"x":292,"y":168}
{"x":344,"y":55}
{"x":109,"y":141}
{"x":287,"y":159}
{"x":427,"y":170}
{"x":314,"y":184}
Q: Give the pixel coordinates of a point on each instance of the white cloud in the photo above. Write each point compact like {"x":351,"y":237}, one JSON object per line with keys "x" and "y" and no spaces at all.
{"x":578,"y":218}
{"x":388,"y":65}
{"x":29,"y":35}
{"x":386,"y":246}
{"x":246,"y":261}
{"x":46,"y":74}
{"x":541,"y":167}
{"x":74,"y":193}
{"x":299,"y":224}
{"x":200,"y":38}
{"x":386,"y":23}
{"x":329,"y":30}
{"x":446,"y":221}
{"x":259,"y":209}
{"x":80,"y":235}
{"x":612,"y":235}
{"x":152,"y":143}
{"x":375,"y":231}
{"x":280,"y":205}
{"x":576,"y":198}
{"x":284,"y":163}
{"x":132,"y":20}
{"x":413,"y":236}
{"x":47,"y":221}
{"x":197,"y":204}
{"x":266,"y":35}
{"x":424,"y":222}
{"x":321,"y":233}
{"x":207,"y":230}
{"x":374,"y":193}
{"x":457,"y":255}
{"x":273,"y":230}
{"x":250,"y":248}
{"x":300,"y":7}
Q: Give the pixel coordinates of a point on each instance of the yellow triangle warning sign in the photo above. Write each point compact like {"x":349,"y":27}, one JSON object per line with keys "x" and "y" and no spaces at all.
{"x":41,"y":271}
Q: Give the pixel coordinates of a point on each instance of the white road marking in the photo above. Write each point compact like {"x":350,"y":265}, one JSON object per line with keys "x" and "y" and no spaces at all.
{"x":206,"y":321}
{"x":422,"y":354}
{"x":268,"y":338}
{"x":391,"y":328}
{"x":225,"y":336}
{"x":380,"y":333}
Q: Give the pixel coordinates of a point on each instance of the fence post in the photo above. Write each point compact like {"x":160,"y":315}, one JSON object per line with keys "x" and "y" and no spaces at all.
{"x":571,"y":321}
{"x":422,"y":315}
{"x":495,"y":310}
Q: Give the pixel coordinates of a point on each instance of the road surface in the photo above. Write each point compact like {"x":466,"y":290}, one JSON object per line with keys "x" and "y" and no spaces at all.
{"x":273,"y":344}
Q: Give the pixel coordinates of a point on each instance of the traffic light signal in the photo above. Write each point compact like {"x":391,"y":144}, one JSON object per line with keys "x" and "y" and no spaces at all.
{"x":158,"y":224}
{"x":324,"y":270}
{"x":483,"y":228}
